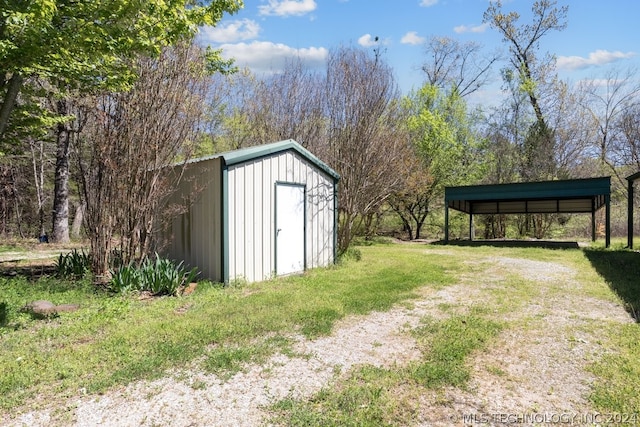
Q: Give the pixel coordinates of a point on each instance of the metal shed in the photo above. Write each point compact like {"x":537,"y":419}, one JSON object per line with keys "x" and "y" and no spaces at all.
{"x":256,"y":213}
{"x":562,"y":196}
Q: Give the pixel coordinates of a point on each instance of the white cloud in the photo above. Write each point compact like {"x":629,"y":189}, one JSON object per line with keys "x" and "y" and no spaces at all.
{"x":460,"y":29}
{"x":412,"y":37}
{"x":427,"y":3}
{"x":368,"y":40}
{"x":229,"y":32}
{"x":599,"y":57}
{"x":271,"y":57}
{"x":288,"y":7}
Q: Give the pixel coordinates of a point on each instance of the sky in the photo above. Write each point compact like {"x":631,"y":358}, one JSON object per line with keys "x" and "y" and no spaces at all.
{"x":600,"y":34}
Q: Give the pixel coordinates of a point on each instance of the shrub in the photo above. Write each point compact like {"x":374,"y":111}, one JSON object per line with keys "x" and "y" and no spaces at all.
{"x":159,"y":277}
{"x":73,"y":264}
{"x":126,"y":279}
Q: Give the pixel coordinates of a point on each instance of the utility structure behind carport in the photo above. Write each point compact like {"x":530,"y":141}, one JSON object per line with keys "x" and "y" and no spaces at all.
{"x":562,"y":196}
{"x":631,"y":179}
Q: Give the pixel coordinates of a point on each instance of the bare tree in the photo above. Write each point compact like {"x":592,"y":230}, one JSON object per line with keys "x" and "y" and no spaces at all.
{"x":364,"y":135}
{"x":607,"y":101}
{"x":531,"y":74}
{"x":280,"y":106}
{"x":348,"y":116}
{"x":574,"y":131}
{"x":626,"y":151}
{"x":412,"y":201}
{"x":133,"y":137}
{"x":524,"y":41}
{"x":452,"y":64}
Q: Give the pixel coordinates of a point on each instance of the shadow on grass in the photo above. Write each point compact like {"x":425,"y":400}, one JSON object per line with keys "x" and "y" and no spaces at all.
{"x":547,"y":244}
{"x":621,"y":271}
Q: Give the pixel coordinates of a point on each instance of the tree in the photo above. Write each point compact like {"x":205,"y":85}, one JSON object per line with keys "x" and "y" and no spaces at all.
{"x":132,"y":139}
{"x":524,"y":41}
{"x":458,"y":66}
{"x":87,"y":47}
{"x":530,"y":74}
{"x":90,"y":43}
{"x":284,"y":105}
{"x":447,"y":151}
{"x":608,"y":101}
{"x":627,"y":149}
{"x":443,"y":131}
{"x":364,"y":134}
{"x":412,"y":201}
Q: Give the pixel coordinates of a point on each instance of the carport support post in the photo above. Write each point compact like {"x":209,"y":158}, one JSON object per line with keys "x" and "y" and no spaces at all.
{"x":446,"y":221}
{"x":471,"y":229}
{"x":607,"y":199}
{"x":593,"y":222}
{"x":630,"y":214}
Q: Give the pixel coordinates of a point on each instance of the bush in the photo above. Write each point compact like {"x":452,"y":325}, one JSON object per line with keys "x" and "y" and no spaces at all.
{"x":73,"y":265}
{"x":159,"y":277}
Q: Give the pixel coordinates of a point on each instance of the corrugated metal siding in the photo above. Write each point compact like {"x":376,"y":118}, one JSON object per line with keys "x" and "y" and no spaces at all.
{"x":251,"y":213}
{"x":196,"y":234}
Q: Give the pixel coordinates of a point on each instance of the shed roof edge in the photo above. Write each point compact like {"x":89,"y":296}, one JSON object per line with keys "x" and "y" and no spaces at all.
{"x":250,"y":153}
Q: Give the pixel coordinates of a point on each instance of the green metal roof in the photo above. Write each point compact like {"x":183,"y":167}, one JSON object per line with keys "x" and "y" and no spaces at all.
{"x":563,"y":196}
{"x":252,"y":153}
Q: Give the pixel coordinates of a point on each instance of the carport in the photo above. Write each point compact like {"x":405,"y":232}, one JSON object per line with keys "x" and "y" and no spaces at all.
{"x":563,"y":196}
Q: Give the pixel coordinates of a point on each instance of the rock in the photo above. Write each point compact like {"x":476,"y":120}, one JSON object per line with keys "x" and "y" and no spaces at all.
{"x":67,"y":307}
{"x":43,"y":309}
{"x":40,"y":308}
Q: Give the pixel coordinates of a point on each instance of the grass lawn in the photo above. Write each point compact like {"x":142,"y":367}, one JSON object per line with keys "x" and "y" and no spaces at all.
{"x":114,"y":340}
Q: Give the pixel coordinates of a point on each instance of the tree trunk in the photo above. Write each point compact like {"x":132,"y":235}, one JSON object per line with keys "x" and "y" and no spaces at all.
{"x":78,"y":218}
{"x":13,"y":89}
{"x":60,"y":232}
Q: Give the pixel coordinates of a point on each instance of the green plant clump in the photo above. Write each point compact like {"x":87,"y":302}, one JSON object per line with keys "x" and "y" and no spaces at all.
{"x":159,"y":276}
{"x":73,"y":264}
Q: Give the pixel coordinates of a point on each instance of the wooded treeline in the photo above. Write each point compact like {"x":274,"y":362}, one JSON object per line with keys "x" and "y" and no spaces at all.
{"x":81,"y":151}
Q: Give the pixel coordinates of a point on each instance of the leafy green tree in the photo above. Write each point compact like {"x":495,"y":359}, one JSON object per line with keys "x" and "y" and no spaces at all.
{"x":443,"y":130}
{"x":83,"y":47}
{"x":90,"y":43}
{"x":448,"y":151}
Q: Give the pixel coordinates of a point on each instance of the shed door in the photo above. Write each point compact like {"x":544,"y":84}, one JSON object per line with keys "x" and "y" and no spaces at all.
{"x":290,"y":213}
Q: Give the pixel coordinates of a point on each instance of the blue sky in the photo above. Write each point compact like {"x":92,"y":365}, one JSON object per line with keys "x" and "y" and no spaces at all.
{"x":599,"y":35}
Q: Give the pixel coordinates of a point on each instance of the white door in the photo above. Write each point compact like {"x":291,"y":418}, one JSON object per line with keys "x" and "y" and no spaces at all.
{"x":289,"y":228}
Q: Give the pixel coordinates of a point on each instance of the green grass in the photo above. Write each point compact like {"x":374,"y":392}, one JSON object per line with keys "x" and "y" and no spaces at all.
{"x":373,"y":396}
{"x":114,"y":340}
{"x":618,"y":372}
{"x":447,"y":344}
{"x":111,"y":341}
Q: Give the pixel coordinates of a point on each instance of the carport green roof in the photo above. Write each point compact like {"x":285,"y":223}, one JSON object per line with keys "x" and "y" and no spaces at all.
{"x":561,"y":196}
{"x":566,"y":196}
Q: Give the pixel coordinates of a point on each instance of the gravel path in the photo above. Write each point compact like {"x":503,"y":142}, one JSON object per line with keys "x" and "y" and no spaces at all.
{"x":534,"y":369}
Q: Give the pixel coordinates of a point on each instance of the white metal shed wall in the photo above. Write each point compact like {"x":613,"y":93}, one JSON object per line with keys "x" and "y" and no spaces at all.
{"x":196,"y":235}
{"x":251,"y":213}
